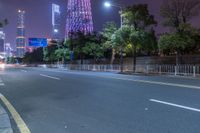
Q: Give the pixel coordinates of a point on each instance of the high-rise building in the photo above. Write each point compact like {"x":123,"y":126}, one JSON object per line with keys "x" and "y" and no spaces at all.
{"x":79,"y":17}
{"x":20,"y":39}
{"x":2,"y":40}
{"x":56,"y":21}
{"x":8,"y":50}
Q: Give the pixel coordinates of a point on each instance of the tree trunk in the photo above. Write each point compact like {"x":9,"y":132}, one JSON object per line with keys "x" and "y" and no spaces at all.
{"x":121,"y":59}
{"x":134,"y":59}
{"x":113,"y":56}
{"x":177,"y":58}
{"x":94,"y":62}
{"x":81,"y":56}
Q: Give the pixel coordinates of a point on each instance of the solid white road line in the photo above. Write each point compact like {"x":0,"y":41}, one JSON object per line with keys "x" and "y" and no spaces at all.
{"x":47,"y":76}
{"x":24,"y":71}
{"x":160,"y":83}
{"x":19,"y":121}
{"x":175,"y":105}
{"x":140,"y":81}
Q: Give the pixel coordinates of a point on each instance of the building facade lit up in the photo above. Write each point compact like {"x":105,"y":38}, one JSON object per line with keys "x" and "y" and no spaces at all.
{"x":20,"y":39}
{"x":79,"y":17}
{"x":56,"y":17}
{"x":2,"y":40}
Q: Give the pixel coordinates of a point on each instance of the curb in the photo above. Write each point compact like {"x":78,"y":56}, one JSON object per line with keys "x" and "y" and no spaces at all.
{"x":5,"y":125}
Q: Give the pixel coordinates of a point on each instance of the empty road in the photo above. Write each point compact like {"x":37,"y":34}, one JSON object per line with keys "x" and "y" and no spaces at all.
{"x":56,"y":101}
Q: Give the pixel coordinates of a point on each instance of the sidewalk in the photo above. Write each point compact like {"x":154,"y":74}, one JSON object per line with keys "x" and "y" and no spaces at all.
{"x":5,"y":126}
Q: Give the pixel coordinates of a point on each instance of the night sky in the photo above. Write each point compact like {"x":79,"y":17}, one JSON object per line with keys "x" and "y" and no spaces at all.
{"x":38,"y":15}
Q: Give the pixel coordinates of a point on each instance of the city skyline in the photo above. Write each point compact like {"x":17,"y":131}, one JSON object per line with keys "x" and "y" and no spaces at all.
{"x":38,"y":14}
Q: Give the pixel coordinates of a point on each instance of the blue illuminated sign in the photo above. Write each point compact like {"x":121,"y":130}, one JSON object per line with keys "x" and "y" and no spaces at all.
{"x":38,"y":42}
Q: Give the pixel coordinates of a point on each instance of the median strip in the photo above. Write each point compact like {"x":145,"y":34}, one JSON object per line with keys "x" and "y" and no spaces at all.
{"x":175,"y":105}
{"x":47,"y":76}
{"x":19,"y":121}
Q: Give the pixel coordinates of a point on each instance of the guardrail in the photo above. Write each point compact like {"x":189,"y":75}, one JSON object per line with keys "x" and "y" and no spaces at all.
{"x":184,"y":70}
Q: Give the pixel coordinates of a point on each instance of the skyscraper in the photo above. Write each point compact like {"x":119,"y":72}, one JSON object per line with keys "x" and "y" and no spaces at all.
{"x":79,"y":16}
{"x":2,"y":39}
{"x":20,"y":39}
{"x":56,"y":21}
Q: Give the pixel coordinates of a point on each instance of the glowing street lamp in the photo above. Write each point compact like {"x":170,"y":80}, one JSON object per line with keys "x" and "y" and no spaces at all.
{"x":55,"y":30}
{"x":107,"y":4}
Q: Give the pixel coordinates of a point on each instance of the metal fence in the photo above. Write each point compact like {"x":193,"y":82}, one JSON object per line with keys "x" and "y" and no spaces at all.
{"x":184,"y":70}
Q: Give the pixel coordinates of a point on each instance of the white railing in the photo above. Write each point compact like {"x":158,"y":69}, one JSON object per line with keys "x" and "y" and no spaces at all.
{"x":184,"y":70}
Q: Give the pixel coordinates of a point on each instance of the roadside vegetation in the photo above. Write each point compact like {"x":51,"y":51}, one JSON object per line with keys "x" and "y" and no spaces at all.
{"x":136,"y":37}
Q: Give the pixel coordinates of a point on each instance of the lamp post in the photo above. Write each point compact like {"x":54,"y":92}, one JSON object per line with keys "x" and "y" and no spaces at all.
{"x":108,"y":5}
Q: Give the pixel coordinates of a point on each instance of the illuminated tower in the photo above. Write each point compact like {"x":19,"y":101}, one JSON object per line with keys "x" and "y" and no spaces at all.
{"x":79,"y":17}
{"x":20,"y":39}
{"x":56,"y":16}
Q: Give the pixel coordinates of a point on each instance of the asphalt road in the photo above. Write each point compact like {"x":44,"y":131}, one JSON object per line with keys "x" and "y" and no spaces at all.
{"x":55,"y":101}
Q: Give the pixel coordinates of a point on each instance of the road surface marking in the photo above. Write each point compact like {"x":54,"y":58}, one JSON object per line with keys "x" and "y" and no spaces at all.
{"x":24,"y":71}
{"x":140,"y":81}
{"x":19,"y":121}
{"x":175,"y":105}
{"x":1,"y":83}
{"x":159,"y":83}
{"x":49,"y":77}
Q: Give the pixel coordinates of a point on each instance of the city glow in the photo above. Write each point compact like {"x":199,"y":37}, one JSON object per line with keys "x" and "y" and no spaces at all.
{"x":2,"y":66}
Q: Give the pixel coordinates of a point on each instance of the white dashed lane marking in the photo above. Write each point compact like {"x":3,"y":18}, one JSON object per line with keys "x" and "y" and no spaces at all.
{"x":1,"y":83}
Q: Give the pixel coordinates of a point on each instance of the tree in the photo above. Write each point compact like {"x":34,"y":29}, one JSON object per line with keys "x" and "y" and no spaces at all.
{"x":62,"y":54}
{"x":138,"y":17}
{"x":3,"y":23}
{"x":77,"y":43}
{"x":108,"y":30}
{"x":120,"y":40}
{"x":93,"y":49}
{"x":49,"y":54}
{"x":177,"y":12}
{"x":175,"y":43}
{"x":34,"y":57}
{"x":140,"y":21}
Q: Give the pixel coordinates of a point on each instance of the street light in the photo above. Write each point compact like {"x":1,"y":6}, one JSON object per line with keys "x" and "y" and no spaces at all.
{"x":55,"y":30}
{"x":108,"y":5}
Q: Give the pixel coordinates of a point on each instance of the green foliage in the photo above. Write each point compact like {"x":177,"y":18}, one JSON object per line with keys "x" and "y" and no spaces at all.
{"x":93,"y":49}
{"x":175,"y":42}
{"x":62,"y":53}
{"x":121,"y":37}
{"x":49,"y":54}
{"x":108,"y":30}
{"x":34,"y":57}
{"x":138,"y":16}
{"x":10,"y":60}
{"x":3,"y":23}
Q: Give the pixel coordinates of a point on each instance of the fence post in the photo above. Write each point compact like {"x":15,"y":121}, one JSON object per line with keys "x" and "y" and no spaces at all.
{"x":147,"y":69}
{"x":160,"y":70}
{"x":194,"y":71}
{"x":176,"y":70}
